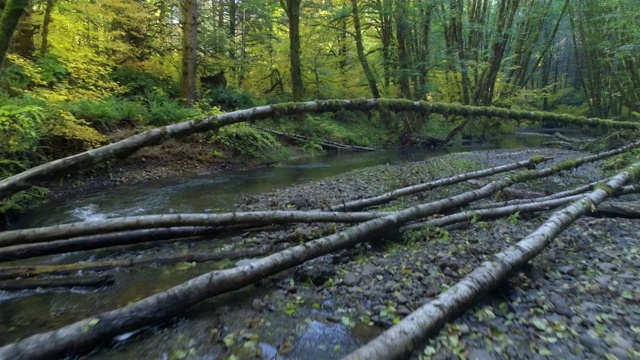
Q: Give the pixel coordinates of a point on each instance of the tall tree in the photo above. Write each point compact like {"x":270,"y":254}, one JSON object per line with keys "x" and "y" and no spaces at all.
{"x":292,"y":9}
{"x":371,"y":80}
{"x":189,"y":52}
{"x":12,"y":11}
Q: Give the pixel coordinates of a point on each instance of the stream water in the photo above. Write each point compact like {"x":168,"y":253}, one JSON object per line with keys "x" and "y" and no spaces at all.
{"x":28,"y":312}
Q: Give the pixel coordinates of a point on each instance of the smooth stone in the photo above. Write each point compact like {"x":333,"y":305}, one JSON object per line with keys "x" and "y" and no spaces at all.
{"x":350,"y":279}
{"x":479,"y":354}
{"x":560,"y":305}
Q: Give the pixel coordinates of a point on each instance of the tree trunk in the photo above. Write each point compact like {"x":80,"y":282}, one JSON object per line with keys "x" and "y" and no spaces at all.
{"x":189,"y":52}
{"x":362,"y":57}
{"x":11,"y":14}
{"x":292,"y":8}
{"x":44,"y":45}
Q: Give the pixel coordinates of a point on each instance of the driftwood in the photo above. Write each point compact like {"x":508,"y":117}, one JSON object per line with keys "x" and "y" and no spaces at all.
{"x":327,"y":145}
{"x":84,"y":281}
{"x":384,"y":198}
{"x":413,"y":329}
{"x":156,"y":136}
{"x":159,"y":307}
{"x":629,"y":209}
{"x":65,"y":231}
{"x":8,"y":272}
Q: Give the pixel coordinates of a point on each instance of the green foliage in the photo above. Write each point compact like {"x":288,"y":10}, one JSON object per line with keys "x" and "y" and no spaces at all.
{"x":245,"y":140}
{"x":140,"y":84}
{"x":20,"y":128}
{"x":102,"y":114}
{"x":228,"y":99}
{"x":164,"y":111}
{"x":19,"y":202}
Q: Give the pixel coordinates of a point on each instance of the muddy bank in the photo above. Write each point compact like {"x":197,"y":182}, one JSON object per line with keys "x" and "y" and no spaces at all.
{"x":578,"y":300}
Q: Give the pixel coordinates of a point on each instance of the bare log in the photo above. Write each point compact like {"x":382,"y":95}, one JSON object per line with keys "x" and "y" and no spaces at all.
{"x":629,"y":209}
{"x":324,"y":143}
{"x":9,"y":272}
{"x":74,"y":281}
{"x":398,"y":340}
{"x":66,"y":231}
{"x":156,"y":136}
{"x":395,"y":194}
{"x":90,"y":332}
{"x":17,"y":252}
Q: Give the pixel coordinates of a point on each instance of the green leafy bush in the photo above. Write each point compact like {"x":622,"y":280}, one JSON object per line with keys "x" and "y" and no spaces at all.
{"x":228,"y":99}
{"x":245,"y":140}
{"x":112,"y":111}
{"x":138,"y":83}
{"x":164,"y":111}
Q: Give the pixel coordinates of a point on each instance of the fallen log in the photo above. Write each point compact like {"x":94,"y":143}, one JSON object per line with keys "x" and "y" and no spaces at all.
{"x":67,"y":282}
{"x":324,"y":143}
{"x":395,"y":194}
{"x":9,"y":272}
{"x":17,"y":252}
{"x":156,"y":136}
{"x":629,"y":209}
{"x":91,"y":332}
{"x":65,"y":231}
{"x":411,"y":331}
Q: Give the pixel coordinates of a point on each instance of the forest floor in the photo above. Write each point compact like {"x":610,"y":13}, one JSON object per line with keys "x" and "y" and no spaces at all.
{"x":580,"y":299}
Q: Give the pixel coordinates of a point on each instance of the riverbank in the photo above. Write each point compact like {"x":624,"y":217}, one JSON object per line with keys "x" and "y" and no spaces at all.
{"x":577,"y":300}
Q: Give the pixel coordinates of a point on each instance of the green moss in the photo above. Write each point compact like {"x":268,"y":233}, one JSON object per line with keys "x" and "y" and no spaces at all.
{"x":537,"y":159}
{"x":608,"y":189}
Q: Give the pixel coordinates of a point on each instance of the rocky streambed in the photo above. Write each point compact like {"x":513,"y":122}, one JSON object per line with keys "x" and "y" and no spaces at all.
{"x":580,"y":299}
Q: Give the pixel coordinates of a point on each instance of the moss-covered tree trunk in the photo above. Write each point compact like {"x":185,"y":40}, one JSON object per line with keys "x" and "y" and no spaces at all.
{"x":292,"y":8}
{"x":12,"y":11}
{"x":362,"y":57}
{"x":189,"y":52}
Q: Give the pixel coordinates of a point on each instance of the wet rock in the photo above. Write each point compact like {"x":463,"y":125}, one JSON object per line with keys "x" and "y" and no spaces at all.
{"x":603,"y":280}
{"x":401,"y":299}
{"x":592,"y":344}
{"x":369,"y":270}
{"x":620,"y":353}
{"x":350,"y":279}
{"x":567,"y":269}
{"x":257,"y":305}
{"x":606,"y":267}
{"x":267,"y":352}
{"x":560,"y":305}
{"x":403,"y":310}
{"x":479,"y":354}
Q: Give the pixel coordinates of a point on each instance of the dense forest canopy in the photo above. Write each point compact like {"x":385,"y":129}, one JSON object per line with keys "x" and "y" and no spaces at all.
{"x":76,"y":69}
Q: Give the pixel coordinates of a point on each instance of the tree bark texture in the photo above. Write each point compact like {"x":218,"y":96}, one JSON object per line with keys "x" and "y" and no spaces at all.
{"x":292,"y":8}
{"x":156,"y":136}
{"x":189,"y":51}
{"x":362,"y":57}
{"x":11,"y":15}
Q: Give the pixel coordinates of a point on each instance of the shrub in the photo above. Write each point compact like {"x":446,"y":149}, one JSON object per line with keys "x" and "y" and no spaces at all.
{"x":164,"y":111}
{"x":228,"y":99}
{"x":245,"y":140}
{"x":138,"y":83}
{"x":103,"y":114}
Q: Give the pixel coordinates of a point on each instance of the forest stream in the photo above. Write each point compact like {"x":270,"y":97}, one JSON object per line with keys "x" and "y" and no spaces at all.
{"x":324,"y":309}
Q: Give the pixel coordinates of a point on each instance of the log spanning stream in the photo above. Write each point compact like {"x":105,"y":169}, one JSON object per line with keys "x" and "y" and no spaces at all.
{"x":28,"y":312}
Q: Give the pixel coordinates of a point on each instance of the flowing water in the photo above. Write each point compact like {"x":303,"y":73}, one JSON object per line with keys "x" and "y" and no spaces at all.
{"x":29,"y":312}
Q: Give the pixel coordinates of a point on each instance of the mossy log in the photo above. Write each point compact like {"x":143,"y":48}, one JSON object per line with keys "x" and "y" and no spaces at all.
{"x":156,"y":136}
{"x":9,"y":272}
{"x":66,"y":282}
